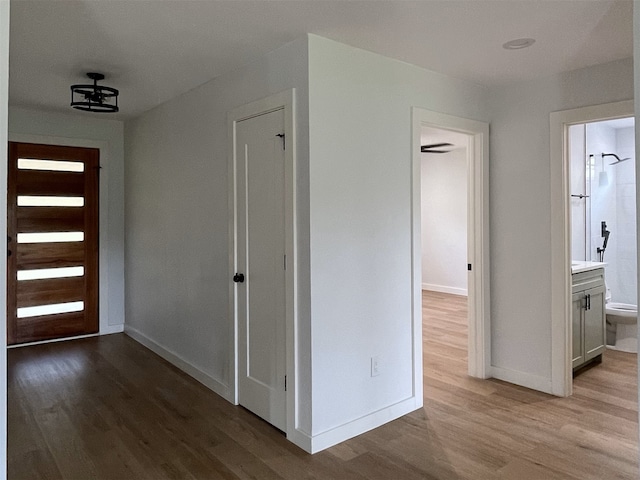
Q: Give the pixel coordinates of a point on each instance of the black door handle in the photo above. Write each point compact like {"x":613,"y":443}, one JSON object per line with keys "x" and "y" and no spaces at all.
{"x":238,"y":278}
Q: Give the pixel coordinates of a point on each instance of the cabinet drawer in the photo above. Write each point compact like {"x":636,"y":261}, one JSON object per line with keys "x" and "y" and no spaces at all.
{"x":586,"y":280}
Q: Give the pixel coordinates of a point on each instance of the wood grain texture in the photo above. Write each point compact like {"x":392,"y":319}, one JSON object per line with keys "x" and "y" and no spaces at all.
{"x":50,"y":326}
{"x":52,"y":255}
{"x":108,"y":408}
{"x":30,"y":256}
{"x":48,"y":291}
{"x":36,"y":182}
{"x":50,"y":219}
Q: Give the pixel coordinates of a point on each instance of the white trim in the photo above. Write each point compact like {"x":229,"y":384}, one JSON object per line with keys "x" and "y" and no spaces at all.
{"x":534,"y":382}
{"x":560,"y":255}
{"x":329,"y":438}
{"x":284,"y":100}
{"x":179,"y":362}
{"x":444,"y":289}
{"x":477,"y":234}
{"x":106,"y":324}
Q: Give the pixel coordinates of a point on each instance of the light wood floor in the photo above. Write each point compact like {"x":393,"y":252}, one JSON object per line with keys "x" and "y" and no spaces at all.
{"x":107,"y":408}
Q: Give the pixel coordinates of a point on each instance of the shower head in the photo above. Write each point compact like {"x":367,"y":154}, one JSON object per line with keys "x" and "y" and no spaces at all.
{"x":618,"y":159}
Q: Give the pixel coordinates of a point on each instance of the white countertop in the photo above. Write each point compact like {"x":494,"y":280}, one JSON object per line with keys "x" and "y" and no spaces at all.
{"x":578,"y":266}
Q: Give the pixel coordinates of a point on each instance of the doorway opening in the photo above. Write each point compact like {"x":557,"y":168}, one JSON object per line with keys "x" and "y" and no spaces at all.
{"x":603,"y":238}
{"x":472,"y":237}
{"x":444,"y":211}
{"x":588,"y":146}
{"x":444,"y":192}
{"x":263,"y":261}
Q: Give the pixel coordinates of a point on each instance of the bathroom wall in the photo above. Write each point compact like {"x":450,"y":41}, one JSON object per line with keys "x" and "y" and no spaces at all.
{"x":601,"y":138}
{"x":613,"y":201}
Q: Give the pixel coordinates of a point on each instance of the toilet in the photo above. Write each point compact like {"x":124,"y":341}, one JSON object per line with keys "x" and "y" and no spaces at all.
{"x":622,"y":323}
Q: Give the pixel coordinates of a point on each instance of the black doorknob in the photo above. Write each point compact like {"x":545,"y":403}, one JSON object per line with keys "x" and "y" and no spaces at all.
{"x":238,"y":278}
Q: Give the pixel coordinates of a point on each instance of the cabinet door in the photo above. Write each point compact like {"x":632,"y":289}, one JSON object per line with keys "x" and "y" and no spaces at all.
{"x":577,"y":303}
{"x":594,"y":324}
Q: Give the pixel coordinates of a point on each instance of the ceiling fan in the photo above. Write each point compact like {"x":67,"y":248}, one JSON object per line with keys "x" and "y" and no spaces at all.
{"x":433,"y":148}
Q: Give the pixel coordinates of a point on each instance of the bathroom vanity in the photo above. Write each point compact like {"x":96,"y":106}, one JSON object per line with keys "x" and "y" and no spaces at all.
{"x":588,"y":312}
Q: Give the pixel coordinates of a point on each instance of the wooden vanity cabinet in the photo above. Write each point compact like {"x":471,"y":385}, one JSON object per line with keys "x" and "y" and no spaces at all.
{"x":588,"y":316}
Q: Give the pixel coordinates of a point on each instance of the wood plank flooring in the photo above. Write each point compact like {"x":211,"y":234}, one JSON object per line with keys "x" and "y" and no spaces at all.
{"x":108,"y":408}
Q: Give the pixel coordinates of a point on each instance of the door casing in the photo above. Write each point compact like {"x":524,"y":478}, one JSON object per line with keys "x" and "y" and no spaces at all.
{"x":260,"y":254}
{"x":560,"y":255}
{"x":286,"y":101}
{"x":479,"y":322}
{"x":90,"y":157}
{"x":111,"y":303}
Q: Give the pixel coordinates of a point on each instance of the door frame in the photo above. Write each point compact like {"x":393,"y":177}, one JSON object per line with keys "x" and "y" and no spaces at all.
{"x":479,"y":311}
{"x":90,"y":159}
{"x":560,"y":255}
{"x":285,"y":101}
{"x":107,"y":268}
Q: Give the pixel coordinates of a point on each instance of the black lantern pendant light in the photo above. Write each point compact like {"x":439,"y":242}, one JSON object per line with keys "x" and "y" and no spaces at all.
{"x":94,"y":98}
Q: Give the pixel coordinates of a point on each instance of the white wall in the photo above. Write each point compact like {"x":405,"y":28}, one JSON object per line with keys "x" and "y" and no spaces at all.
{"x":85,"y":130}
{"x":177,"y":221}
{"x":520,"y":211}
{"x":361,"y":229}
{"x":601,"y":138}
{"x":355,"y":264}
{"x":4,"y":101}
{"x":444,"y":222}
{"x":358,"y":253}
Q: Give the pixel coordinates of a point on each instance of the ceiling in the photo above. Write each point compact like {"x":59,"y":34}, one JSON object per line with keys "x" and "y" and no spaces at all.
{"x":154,"y":50}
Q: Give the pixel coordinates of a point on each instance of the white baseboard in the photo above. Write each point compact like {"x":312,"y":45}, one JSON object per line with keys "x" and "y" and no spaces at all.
{"x":534,"y":382}
{"x":332,"y":437}
{"x":176,"y":360}
{"x":302,"y":440}
{"x":444,"y":289}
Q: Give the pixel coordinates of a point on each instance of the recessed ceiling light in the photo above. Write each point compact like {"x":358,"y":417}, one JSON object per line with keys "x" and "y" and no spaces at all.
{"x":518,"y":43}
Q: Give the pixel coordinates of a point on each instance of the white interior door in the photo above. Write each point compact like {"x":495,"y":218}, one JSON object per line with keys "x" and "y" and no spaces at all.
{"x":260,"y":187}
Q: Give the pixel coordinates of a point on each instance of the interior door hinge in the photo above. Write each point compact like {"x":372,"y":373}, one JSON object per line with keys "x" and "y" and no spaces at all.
{"x":285,"y":262}
{"x":285,"y":383}
{"x":282,"y":136}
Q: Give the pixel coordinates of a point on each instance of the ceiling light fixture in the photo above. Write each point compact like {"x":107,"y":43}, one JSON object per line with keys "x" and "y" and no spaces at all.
{"x":94,"y":98}
{"x":518,"y":43}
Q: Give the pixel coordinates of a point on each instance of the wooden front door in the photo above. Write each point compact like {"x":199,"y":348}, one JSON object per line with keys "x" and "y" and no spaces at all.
{"x":52,"y":242}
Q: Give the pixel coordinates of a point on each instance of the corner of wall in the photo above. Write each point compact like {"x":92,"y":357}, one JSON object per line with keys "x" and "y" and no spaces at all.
{"x":329,"y":438}
{"x":177,"y":360}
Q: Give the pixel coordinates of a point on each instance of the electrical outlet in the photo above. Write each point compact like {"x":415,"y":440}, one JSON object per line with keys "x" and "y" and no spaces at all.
{"x":375,"y":366}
